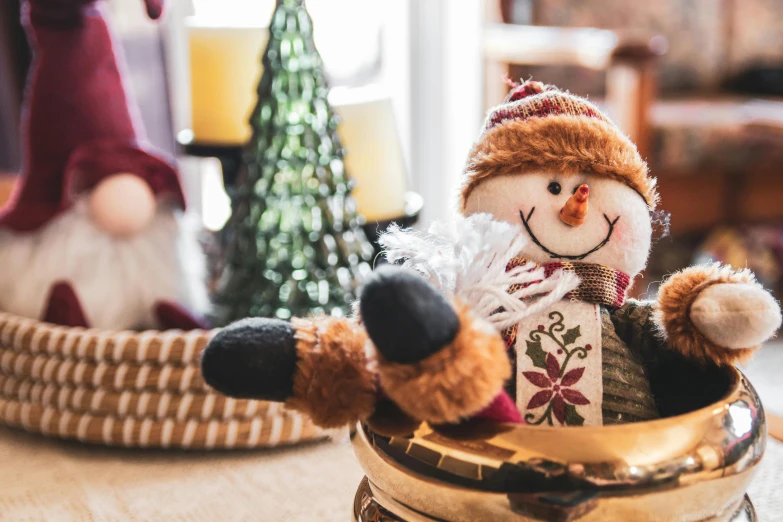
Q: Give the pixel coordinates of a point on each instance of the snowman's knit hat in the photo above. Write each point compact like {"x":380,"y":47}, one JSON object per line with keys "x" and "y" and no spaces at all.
{"x":540,"y":128}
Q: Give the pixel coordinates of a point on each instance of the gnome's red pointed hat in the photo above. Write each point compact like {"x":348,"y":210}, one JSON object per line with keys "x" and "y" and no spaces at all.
{"x":79,"y":124}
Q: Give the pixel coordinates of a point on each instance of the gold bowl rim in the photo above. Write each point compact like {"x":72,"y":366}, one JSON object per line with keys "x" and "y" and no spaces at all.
{"x":724,"y":438}
{"x":703,"y":413}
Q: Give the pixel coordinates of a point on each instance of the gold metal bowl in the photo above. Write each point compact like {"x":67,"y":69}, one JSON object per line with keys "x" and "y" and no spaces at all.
{"x":694,"y":466}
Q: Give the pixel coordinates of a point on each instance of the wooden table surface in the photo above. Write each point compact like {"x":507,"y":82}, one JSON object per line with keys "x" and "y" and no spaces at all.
{"x":45,"y":479}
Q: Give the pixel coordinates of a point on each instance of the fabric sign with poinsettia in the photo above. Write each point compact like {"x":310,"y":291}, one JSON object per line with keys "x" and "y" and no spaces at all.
{"x":559,"y":375}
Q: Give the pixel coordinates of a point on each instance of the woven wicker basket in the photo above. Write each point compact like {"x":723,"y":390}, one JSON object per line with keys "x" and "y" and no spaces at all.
{"x":135,"y":389}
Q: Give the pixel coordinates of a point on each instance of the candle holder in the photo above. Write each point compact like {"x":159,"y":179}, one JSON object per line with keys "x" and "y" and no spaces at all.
{"x":413,"y":205}
{"x":230,"y":156}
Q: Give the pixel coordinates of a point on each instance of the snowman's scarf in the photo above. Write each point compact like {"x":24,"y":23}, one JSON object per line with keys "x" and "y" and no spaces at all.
{"x":469,"y":259}
{"x":599,"y":284}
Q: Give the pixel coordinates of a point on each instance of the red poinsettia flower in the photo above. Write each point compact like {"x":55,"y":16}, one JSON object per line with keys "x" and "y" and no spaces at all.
{"x":557,"y":390}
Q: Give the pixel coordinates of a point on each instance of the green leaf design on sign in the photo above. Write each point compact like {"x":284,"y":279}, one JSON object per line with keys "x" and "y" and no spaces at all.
{"x":571,"y":336}
{"x":572,"y":416}
{"x":536,"y":353}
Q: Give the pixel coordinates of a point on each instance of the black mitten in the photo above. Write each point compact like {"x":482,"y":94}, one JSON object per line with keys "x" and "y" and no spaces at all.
{"x":406,"y":317}
{"x":253,"y":359}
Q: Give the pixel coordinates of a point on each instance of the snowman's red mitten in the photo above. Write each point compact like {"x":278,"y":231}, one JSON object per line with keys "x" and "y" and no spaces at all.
{"x":172,"y":316}
{"x":501,"y":409}
{"x":436,"y":361}
{"x":63,"y":307}
{"x":713,"y":313}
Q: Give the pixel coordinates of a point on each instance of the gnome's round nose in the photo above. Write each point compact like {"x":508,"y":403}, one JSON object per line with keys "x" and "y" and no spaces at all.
{"x":122,"y":205}
{"x":574,"y":211}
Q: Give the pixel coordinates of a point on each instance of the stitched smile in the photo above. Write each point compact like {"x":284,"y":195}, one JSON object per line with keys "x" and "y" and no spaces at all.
{"x":576,"y":257}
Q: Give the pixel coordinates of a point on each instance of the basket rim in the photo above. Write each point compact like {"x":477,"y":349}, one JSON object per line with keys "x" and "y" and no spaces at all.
{"x":5,"y":316}
{"x":204,"y":405}
{"x":180,"y":347}
{"x":194,"y":434}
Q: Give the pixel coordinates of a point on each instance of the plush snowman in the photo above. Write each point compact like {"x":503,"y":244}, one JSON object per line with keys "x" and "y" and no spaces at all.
{"x":576,"y":202}
{"x":95,"y":234}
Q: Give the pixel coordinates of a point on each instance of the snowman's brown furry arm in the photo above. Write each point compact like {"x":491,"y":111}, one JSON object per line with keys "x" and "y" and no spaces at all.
{"x":680,"y":308}
{"x":321,"y":366}
{"x":456,"y":382}
{"x":335,"y":380}
{"x":337,"y":374}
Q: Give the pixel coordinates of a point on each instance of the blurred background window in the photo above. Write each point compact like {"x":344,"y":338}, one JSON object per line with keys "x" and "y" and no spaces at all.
{"x":709,"y":121}
{"x":347,"y":32}
{"x":706,"y":114}
{"x":362,"y":42}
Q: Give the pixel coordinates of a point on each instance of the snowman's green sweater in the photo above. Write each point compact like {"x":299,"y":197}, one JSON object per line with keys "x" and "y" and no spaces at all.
{"x":630,"y":348}
{"x":630,"y":344}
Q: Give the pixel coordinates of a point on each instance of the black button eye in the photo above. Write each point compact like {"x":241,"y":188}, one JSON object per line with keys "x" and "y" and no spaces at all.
{"x":554,"y":188}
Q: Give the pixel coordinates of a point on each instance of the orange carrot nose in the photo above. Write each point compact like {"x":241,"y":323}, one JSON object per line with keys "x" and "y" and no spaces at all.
{"x":574,"y":211}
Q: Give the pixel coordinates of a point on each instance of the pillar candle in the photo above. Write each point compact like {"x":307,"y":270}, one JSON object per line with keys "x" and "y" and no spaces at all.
{"x":373,"y":153}
{"x":225,"y":63}
{"x":225,"y":68}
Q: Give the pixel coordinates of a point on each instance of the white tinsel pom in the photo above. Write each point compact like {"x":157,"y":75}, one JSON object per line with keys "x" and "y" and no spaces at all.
{"x":467,"y":259}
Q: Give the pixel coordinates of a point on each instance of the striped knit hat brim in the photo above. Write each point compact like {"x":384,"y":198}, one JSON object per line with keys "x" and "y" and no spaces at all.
{"x":556,"y":132}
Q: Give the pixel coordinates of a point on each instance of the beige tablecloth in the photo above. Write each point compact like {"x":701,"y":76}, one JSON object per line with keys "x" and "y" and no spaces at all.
{"x":48,"y":480}
{"x":52,"y":481}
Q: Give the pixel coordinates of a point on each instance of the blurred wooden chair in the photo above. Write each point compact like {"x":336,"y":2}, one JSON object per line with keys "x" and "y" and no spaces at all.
{"x":628,"y":59}
{"x":707,"y":116}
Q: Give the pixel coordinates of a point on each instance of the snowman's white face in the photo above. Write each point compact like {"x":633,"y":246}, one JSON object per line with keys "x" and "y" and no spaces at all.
{"x":616,"y":231}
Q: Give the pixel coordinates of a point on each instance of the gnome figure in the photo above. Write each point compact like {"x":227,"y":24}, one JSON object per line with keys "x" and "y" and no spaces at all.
{"x":445,"y":338}
{"x":95,"y":233}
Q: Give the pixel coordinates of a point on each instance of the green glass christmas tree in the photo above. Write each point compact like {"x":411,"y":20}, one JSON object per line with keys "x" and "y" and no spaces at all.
{"x":294,"y":243}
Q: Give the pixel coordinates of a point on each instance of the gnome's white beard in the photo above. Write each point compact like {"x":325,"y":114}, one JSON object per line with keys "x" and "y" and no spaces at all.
{"x":118,"y":281}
